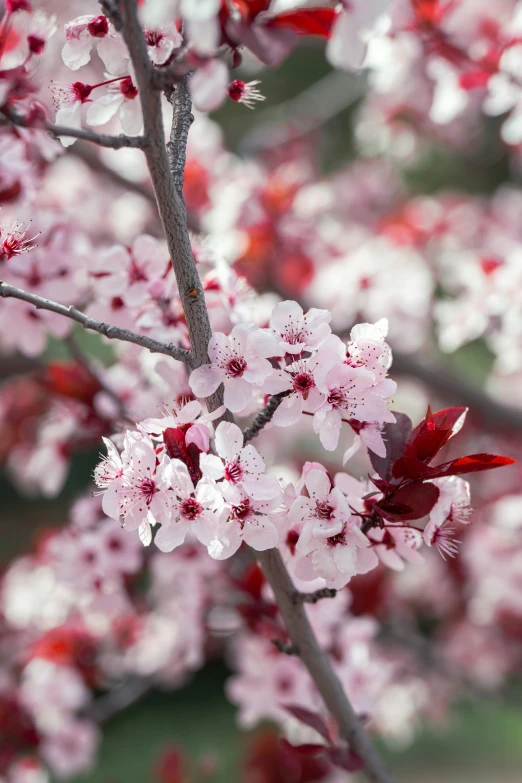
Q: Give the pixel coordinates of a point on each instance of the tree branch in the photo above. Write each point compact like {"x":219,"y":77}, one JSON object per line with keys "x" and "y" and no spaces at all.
{"x":173,"y":216}
{"x":107,"y":330}
{"x":264,"y":416}
{"x":182,"y":118}
{"x":102,"y":139}
{"x":317,"y":595}
{"x":317,"y":663}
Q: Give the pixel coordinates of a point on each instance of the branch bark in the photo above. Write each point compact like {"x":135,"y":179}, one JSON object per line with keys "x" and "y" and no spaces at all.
{"x":101,"y":139}
{"x":107,"y":330}
{"x":173,"y":215}
{"x":262,"y":418}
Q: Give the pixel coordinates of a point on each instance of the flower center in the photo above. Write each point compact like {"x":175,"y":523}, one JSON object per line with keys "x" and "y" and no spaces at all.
{"x":233,"y":472}
{"x":236,"y":367}
{"x":339,"y":538}
{"x":242,"y":512}
{"x":148,"y":489}
{"x":303,"y":382}
{"x":127,"y":89}
{"x":324,"y":510}
{"x":153,"y":37}
{"x":295,"y":336}
{"x":190,"y":508}
{"x":336,"y":398}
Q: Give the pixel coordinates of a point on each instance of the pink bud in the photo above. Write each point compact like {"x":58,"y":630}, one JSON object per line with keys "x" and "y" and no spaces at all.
{"x":99,"y":27}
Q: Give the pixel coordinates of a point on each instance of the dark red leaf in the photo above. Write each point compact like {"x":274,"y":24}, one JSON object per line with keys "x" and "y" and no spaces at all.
{"x":412,"y":501}
{"x":395,"y":437}
{"x":309,"y":718}
{"x":306,"y":21}
{"x":430,"y":436}
{"x":303,"y":750}
{"x":345,"y":759}
{"x":474,"y":463}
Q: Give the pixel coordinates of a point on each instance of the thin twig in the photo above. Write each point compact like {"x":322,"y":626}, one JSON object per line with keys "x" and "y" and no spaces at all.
{"x":286,"y":649}
{"x":101,"y":139}
{"x":317,"y":595}
{"x":107,"y":330}
{"x":264,"y":416}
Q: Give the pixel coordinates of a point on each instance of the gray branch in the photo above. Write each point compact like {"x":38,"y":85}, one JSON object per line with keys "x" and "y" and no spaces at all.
{"x":101,"y":139}
{"x":173,"y":216}
{"x":264,"y":416}
{"x":107,"y":330}
{"x":317,"y":595}
{"x":182,"y":118}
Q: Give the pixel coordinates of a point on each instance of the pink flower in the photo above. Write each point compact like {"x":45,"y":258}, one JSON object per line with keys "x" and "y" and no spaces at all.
{"x":245,"y":519}
{"x":40,"y":29}
{"x":331,"y":544}
{"x":141,"y":496}
{"x":349,"y":394}
{"x":242,"y":467}
{"x":161,"y":42}
{"x":247,"y":94}
{"x":194,"y":509}
{"x":453,"y":506}
{"x":129,"y":274}
{"x":299,"y":381}
{"x":238,"y":361}
{"x":68,"y":100}
{"x":80,"y":36}
{"x":394,"y":545}
{"x":15,"y":242}
{"x":297,"y":332}
{"x":121,"y":97}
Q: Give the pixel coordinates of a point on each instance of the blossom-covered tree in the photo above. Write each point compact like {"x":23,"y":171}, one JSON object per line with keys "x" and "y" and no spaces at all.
{"x":255,"y":299}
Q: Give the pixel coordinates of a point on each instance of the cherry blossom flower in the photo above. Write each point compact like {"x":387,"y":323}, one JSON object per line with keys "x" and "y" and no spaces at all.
{"x":331,"y":544}
{"x":16,"y":242}
{"x":120,"y":98}
{"x":82,"y":33}
{"x":68,"y":100}
{"x":349,"y":392}
{"x":246,"y":519}
{"x":193,"y":509}
{"x":395,"y":544}
{"x":299,"y":381}
{"x":238,"y":465}
{"x":239,"y":362}
{"x":141,"y":495}
{"x":161,"y":42}
{"x":40,"y":29}
{"x":297,"y":332}
{"x":247,"y":94}
{"x":453,"y":506}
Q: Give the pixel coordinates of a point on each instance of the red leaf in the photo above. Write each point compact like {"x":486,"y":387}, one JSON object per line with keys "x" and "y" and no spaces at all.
{"x":474,"y":463}
{"x":412,"y":501}
{"x":309,"y":718}
{"x":395,"y":437}
{"x":306,"y":21}
{"x":345,"y":759}
{"x":430,"y":436}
